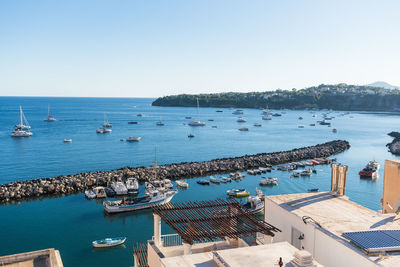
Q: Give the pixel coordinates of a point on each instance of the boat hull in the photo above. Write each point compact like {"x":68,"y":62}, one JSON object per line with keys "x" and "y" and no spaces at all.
{"x":106,"y":243}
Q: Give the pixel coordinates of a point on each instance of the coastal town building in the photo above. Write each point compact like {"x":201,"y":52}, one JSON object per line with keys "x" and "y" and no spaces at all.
{"x":307,"y":229}
{"x":40,"y":258}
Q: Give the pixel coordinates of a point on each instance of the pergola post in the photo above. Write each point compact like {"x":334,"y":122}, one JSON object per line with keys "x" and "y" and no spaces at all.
{"x":187,"y":248}
{"x":267,"y":239}
{"x":157,"y":230}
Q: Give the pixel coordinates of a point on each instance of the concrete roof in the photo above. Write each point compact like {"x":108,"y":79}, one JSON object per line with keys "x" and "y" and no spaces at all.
{"x":255,"y":256}
{"x":337,"y":214}
{"x":43,"y":258}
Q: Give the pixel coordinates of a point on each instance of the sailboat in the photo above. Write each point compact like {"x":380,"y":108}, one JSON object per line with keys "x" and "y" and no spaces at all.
{"x":106,"y":124}
{"x":21,"y":129}
{"x":197,"y":122}
{"x":49,"y":117}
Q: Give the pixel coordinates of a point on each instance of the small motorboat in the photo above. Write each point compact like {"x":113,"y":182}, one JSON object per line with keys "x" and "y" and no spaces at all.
{"x":139,"y":115}
{"x":312,"y":124}
{"x":132,"y":122}
{"x":122,"y":139}
{"x":300,"y":118}
{"x":334,"y":130}
{"x":312,"y":190}
{"x":203,"y":182}
{"x":214,"y":126}
{"x":90,"y":194}
{"x":255,"y":204}
{"x":307,"y":172}
{"x":109,"y":192}
{"x":233,"y":192}
{"x":219,"y":111}
{"x":257,"y":125}
{"x":241,"y":119}
{"x":109,"y":242}
{"x":269,"y":181}
{"x":182,"y":184}
{"x":67,"y":140}
{"x":107,"y":130}
{"x":225,"y":180}
{"x":119,"y":188}
{"x":188,"y":118}
{"x":132,"y":185}
{"x":100,"y":192}
{"x":133,"y":139}
{"x":266,"y":118}
{"x":301,"y":126}
{"x":191,"y":135}
{"x":214,"y":180}
{"x":242,"y":194}
{"x":276,"y":114}
{"x":210,"y":120}
{"x":243,"y":129}
{"x":238,"y":112}
{"x":160,"y":123}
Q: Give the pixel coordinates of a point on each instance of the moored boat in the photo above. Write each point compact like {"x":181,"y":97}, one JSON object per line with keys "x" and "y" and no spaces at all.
{"x":371,"y":170}
{"x":203,"y":182}
{"x":152,"y":198}
{"x":49,"y":117}
{"x":133,"y":139}
{"x":22,"y":129}
{"x":234,"y":192}
{"x":132,"y":184}
{"x":67,"y":140}
{"x":241,"y":119}
{"x":214,"y":180}
{"x":119,"y":188}
{"x":90,"y":194}
{"x":269,"y":181}
{"x":255,"y":204}
{"x":243,"y":129}
{"x":109,"y":242}
{"x":182,"y":184}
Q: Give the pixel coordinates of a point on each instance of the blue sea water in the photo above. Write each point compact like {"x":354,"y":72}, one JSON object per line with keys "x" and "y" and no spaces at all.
{"x":70,"y":223}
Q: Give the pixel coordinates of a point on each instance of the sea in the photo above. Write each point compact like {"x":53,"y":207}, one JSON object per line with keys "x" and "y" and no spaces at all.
{"x":71,"y":223}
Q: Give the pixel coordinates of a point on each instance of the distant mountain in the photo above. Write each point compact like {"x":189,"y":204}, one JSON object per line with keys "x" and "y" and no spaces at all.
{"x":384,"y":85}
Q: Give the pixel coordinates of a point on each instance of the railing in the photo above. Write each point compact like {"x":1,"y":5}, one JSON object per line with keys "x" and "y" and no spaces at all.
{"x":172,"y":240}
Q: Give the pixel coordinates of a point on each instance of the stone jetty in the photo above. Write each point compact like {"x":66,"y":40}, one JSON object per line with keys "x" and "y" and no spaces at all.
{"x":70,"y":184}
{"x":394,"y":146}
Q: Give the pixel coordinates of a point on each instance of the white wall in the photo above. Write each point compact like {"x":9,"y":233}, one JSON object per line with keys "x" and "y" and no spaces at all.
{"x":326,"y":248}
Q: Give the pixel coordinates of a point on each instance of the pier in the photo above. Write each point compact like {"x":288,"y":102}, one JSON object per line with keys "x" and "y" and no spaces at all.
{"x":76,"y":183}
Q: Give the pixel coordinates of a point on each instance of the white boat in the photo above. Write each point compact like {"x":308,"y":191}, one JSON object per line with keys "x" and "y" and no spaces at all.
{"x":107,"y":130}
{"x":240,"y":119}
{"x":106,"y":124}
{"x":109,"y":242}
{"x":168,"y":184}
{"x":182,"y":184}
{"x":234,"y":192}
{"x":238,"y":112}
{"x":67,"y":140}
{"x":90,"y":194}
{"x":132,"y":184}
{"x":119,"y":188}
{"x":255,"y":204}
{"x":21,"y":129}
{"x":197,"y":122}
{"x":266,"y":112}
{"x":214,"y":180}
{"x":133,"y":139}
{"x":100,"y":192}
{"x":266,"y":117}
{"x":151,"y":198}
{"x":49,"y":117}
{"x":100,"y":130}
{"x":269,"y":181}
{"x":243,"y":129}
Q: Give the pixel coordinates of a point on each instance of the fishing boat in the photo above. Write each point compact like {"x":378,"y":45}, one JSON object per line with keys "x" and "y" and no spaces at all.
{"x":67,"y":140}
{"x":307,"y":172}
{"x":90,"y":194}
{"x":257,"y":125}
{"x":191,"y":135}
{"x":197,"y":122}
{"x":214,"y":180}
{"x":49,"y":117}
{"x":108,"y":242}
{"x":240,"y":119}
{"x":119,"y":188}
{"x":242,"y":194}
{"x":132,"y":184}
{"x":266,"y":118}
{"x":255,"y":204}
{"x":109,"y":192}
{"x":22,"y":129}
{"x":152,"y":198}
{"x":133,"y":139}
{"x":269,"y":181}
{"x":371,"y":170}
{"x":106,"y":124}
{"x":182,"y":184}
{"x":243,"y":129}
{"x":100,"y":192}
{"x":203,"y":182}
{"x":233,"y":192}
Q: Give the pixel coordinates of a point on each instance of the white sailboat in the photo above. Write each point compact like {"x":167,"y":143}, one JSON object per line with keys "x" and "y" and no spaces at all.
{"x":21,"y":129}
{"x":106,"y":124}
{"x":49,"y":118}
{"x":197,"y":122}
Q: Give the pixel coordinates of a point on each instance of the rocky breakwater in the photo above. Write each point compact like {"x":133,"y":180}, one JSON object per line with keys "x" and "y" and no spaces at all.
{"x":394,"y":146}
{"x":63,"y":185}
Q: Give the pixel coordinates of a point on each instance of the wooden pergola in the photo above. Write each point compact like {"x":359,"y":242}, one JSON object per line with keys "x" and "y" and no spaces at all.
{"x":206,"y":221}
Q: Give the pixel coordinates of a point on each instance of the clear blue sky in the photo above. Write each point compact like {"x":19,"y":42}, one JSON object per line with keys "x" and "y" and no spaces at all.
{"x":155,"y":48}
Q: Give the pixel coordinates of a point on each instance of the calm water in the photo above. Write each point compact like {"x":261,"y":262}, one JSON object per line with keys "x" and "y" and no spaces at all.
{"x":71,"y":223}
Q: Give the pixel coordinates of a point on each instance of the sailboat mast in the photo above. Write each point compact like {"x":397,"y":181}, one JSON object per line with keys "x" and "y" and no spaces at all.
{"x":20,"y":115}
{"x":155,"y":163}
{"x":197,"y":106}
{"x":48,"y":110}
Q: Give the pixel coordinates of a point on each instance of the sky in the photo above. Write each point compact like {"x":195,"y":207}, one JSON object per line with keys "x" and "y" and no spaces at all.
{"x":151,"y":48}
